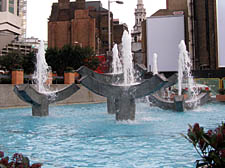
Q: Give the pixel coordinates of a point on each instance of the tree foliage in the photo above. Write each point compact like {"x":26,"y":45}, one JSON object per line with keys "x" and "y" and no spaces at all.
{"x":13,"y":60}
{"x":70,"y":56}
{"x":16,"y":60}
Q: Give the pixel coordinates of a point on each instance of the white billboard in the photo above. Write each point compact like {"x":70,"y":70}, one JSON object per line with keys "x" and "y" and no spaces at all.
{"x":221,"y":32}
{"x":164,"y":34}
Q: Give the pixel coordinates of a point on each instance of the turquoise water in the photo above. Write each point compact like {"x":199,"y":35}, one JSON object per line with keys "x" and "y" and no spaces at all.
{"x":86,"y":136}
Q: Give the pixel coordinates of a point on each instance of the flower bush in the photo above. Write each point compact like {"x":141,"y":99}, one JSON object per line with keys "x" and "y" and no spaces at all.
{"x":17,"y":161}
{"x":210,"y":145}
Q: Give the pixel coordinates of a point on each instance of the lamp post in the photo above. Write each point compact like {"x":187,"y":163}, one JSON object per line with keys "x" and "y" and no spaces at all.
{"x":109,"y":22}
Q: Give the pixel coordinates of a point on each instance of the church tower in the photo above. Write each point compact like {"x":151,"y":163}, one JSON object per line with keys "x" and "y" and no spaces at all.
{"x":140,"y":15}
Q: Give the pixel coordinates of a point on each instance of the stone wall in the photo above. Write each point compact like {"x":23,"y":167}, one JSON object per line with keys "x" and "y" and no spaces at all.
{"x":9,"y":99}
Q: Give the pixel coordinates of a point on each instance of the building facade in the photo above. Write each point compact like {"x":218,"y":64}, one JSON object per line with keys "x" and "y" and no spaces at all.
{"x":24,"y":48}
{"x":136,"y":34}
{"x":80,"y":23}
{"x":22,"y":13}
{"x":200,"y":22}
{"x":200,"y":31}
{"x":13,"y":21}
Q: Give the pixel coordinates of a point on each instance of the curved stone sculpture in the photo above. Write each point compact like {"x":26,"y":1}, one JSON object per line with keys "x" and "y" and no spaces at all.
{"x":179,"y":103}
{"x":124,"y":95}
{"x":113,"y":79}
{"x":40,"y":101}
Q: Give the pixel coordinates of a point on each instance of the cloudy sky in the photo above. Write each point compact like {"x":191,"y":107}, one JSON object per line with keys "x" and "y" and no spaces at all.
{"x":38,"y":12}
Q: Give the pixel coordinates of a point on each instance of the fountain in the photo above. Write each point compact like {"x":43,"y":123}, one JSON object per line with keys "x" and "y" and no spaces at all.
{"x":116,"y":77}
{"x":41,"y":97}
{"x":116,"y":63}
{"x":40,"y":75}
{"x":155,"y":65}
{"x":182,"y":101}
{"x":127,"y":59}
{"x":184,"y":73}
{"x":124,"y":93}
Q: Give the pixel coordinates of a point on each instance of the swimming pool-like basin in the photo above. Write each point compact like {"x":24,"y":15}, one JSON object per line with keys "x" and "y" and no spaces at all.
{"x":86,"y":136}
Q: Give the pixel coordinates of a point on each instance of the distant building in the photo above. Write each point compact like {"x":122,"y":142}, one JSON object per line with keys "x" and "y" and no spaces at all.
{"x":136,"y":33}
{"x":204,"y":35}
{"x":10,"y":22}
{"x":22,"y":13}
{"x":24,"y":47}
{"x":118,"y":30}
{"x":80,"y":23}
{"x":140,"y":16}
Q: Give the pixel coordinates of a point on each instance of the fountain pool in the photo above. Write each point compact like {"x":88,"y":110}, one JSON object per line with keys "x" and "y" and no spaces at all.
{"x":86,"y":136}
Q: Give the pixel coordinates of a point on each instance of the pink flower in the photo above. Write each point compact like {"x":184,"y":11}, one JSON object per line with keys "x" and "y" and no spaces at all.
{"x":209,"y":133}
{"x":196,"y":127}
{"x":219,"y":138}
{"x":222,"y":153}
{"x":36,"y":165}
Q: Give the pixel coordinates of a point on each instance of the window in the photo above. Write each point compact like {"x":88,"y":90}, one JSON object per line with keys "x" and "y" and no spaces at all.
{"x":0,"y":5}
{"x":11,"y":6}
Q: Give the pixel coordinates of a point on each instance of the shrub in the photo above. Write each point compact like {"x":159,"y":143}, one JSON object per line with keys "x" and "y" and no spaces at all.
{"x":209,"y":145}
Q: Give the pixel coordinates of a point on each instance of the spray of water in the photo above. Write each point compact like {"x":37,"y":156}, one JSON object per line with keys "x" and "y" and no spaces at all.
{"x":40,"y":75}
{"x":184,"y":72}
{"x":127,"y":59}
{"x":116,"y":63}
{"x":155,"y":64}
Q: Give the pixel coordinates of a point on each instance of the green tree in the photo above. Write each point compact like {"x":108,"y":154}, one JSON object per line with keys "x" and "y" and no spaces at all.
{"x":70,"y":56}
{"x":13,"y":60}
{"x":29,"y":62}
{"x":17,"y":60}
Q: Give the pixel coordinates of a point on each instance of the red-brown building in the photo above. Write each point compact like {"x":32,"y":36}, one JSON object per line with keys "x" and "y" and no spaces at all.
{"x":81,"y":23}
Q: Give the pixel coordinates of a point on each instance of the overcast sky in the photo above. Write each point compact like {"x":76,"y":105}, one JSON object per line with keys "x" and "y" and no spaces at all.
{"x":38,"y":12}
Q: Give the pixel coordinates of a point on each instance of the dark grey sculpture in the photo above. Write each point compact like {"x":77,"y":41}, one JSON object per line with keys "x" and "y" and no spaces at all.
{"x":124,"y":95}
{"x":40,"y":101}
{"x":111,"y":78}
{"x":178,"y":103}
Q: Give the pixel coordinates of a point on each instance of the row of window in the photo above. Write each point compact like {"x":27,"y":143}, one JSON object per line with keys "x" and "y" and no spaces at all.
{"x":11,"y":6}
{"x":140,"y":20}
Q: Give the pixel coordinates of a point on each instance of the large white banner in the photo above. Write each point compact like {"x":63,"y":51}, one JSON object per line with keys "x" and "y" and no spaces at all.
{"x":221,"y":32}
{"x":164,"y":34}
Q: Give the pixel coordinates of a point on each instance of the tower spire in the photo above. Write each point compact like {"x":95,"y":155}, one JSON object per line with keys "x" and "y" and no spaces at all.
{"x":140,"y":2}
{"x":140,"y":15}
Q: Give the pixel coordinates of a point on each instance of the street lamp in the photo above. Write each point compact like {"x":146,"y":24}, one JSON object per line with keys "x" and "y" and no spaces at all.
{"x":109,"y":22}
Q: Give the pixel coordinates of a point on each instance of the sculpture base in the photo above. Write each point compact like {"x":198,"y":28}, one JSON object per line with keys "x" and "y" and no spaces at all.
{"x":40,"y":110}
{"x":126,"y":109}
{"x":112,"y":105}
{"x":179,"y":103}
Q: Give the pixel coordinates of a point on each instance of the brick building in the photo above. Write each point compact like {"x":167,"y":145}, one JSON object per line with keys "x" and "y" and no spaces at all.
{"x":81,"y":23}
{"x":200,"y":21}
{"x":200,"y":30}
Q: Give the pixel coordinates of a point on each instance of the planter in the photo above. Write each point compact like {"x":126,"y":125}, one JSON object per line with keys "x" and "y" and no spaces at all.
{"x":17,"y":76}
{"x":220,"y":98}
{"x":49,"y":80}
{"x":69,"y":77}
